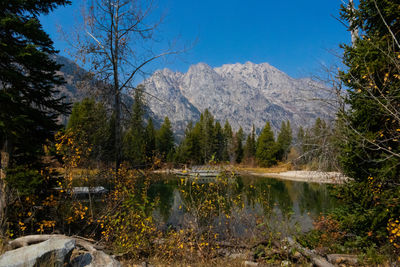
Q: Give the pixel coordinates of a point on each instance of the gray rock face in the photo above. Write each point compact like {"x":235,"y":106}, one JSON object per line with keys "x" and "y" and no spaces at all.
{"x":55,"y":251}
{"x":244,"y":94}
{"x":94,"y":259}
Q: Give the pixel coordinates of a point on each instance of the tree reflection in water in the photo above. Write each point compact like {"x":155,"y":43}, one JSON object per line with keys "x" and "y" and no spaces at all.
{"x":238,"y":205}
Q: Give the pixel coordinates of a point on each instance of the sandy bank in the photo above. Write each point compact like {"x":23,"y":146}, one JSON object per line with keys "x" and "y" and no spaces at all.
{"x":306,"y":176}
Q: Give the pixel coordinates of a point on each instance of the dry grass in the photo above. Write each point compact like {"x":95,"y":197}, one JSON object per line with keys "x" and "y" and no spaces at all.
{"x":220,"y":261}
{"x":281,"y":167}
{"x":2,"y":245}
{"x":78,"y":171}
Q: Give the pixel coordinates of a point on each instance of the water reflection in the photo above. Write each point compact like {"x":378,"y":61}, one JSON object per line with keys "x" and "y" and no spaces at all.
{"x":191,"y":203}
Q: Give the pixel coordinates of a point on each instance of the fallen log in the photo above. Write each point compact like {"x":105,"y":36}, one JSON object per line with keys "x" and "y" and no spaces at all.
{"x":315,"y":259}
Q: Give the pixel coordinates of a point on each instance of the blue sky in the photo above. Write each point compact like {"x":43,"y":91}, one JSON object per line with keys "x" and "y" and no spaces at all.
{"x":294,"y":36}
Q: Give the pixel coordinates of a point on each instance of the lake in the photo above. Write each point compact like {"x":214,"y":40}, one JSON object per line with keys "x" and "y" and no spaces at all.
{"x":238,"y":205}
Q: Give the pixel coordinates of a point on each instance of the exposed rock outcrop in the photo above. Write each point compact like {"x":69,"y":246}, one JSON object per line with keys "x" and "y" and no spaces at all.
{"x":54,"y":250}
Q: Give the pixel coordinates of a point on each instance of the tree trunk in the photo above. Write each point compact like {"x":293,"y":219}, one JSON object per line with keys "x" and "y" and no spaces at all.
{"x":117,"y":92}
{"x":3,"y":203}
{"x":117,"y":110}
{"x":354,"y":32}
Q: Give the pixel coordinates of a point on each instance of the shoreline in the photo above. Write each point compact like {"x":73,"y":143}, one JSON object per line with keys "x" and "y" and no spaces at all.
{"x":296,"y":176}
{"x":305,"y":176}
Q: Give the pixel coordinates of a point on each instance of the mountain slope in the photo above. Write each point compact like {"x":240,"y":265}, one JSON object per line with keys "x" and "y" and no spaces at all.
{"x":244,"y":94}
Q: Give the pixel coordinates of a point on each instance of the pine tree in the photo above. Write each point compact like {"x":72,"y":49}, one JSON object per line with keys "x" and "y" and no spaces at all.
{"x":250,"y":147}
{"x":207,"y":135}
{"x":218,"y":141}
{"x":89,"y":123}
{"x":266,"y":147}
{"x":370,"y":145}
{"x":134,"y":148}
{"x":29,"y":105}
{"x":165,"y":140}
{"x":228,"y":152}
{"x":150,"y":139}
{"x":238,"y":141}
{"x":29,"y":102}
{"x":284,"y":140}
{"x":189,"y":149}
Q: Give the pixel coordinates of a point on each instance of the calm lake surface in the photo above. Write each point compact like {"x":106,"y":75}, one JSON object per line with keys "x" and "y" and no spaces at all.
{"x":245,"y":201}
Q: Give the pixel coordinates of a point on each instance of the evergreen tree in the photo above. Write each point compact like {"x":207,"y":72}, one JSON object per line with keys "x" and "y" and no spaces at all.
{"x":284,"y":141}
{"x":228,"y":152}
{"x":239,"y":136}
{"x":189,"y":149}
{"x":266,"y":147}
{"x":218,"y":141}
{"x":134,"y":148}
{"x":29,"y":105}
{"x":89,"y":122}
{"x":150,"y":139}
{"x":165,"y":140}
{"x":250,"y":147}
{"x":207,"y":135}
{"x":29,"y":102}
{"x":370,"y":146}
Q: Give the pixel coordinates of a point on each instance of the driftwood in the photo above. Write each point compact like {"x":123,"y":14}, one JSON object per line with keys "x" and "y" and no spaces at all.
{"x":34,"y":239}
{"x":343,"y":258}
{"x":315,"y":259}
{"x":227,"y":244}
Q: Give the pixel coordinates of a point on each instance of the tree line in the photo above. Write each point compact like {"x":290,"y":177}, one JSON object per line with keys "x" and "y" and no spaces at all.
{"x":203,"y":142}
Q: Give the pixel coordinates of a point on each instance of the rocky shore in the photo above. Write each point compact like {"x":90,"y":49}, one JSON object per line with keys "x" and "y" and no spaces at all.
{"x":306,"y":176}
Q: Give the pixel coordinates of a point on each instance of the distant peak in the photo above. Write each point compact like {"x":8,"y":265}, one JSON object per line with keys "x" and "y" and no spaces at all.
{"x":246,"y":64}
{"x":167,"y":72}
{"x":200,"y":65}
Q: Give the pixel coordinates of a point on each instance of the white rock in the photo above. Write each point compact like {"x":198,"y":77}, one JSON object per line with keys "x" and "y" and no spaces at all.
{"x":55,"y":251}
{"x":250,"y":263}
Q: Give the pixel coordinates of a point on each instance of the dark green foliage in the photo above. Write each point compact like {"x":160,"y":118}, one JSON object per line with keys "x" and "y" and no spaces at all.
{"x":207,"y":140}
{"x":165,"y":140}
{"x":29,"y":105}
{"x":284,"y":141}
{"x":189,"y":149}
{"x":373,"y":91}
{"x":219,"y":143}
{"x":266,"y":147}
{"x":90,"y":123}
{"x":238,"y":142}
{"x":227,"y":154}
{"x":150,"y":140}
{"x":370,"y":146}
{"x":25,"y":180}
{"x":134,"y":147}
{"x":250,"y":147}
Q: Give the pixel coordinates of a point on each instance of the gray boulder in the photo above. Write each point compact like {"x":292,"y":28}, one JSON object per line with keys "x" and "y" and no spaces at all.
{"x":54,"y":251}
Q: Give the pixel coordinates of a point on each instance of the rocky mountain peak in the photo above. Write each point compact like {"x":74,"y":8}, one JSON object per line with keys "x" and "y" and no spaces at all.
{"x":244,"y":94}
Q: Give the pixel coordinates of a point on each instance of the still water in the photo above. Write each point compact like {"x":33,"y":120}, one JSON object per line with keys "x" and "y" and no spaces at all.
{"x":246,"y":202}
